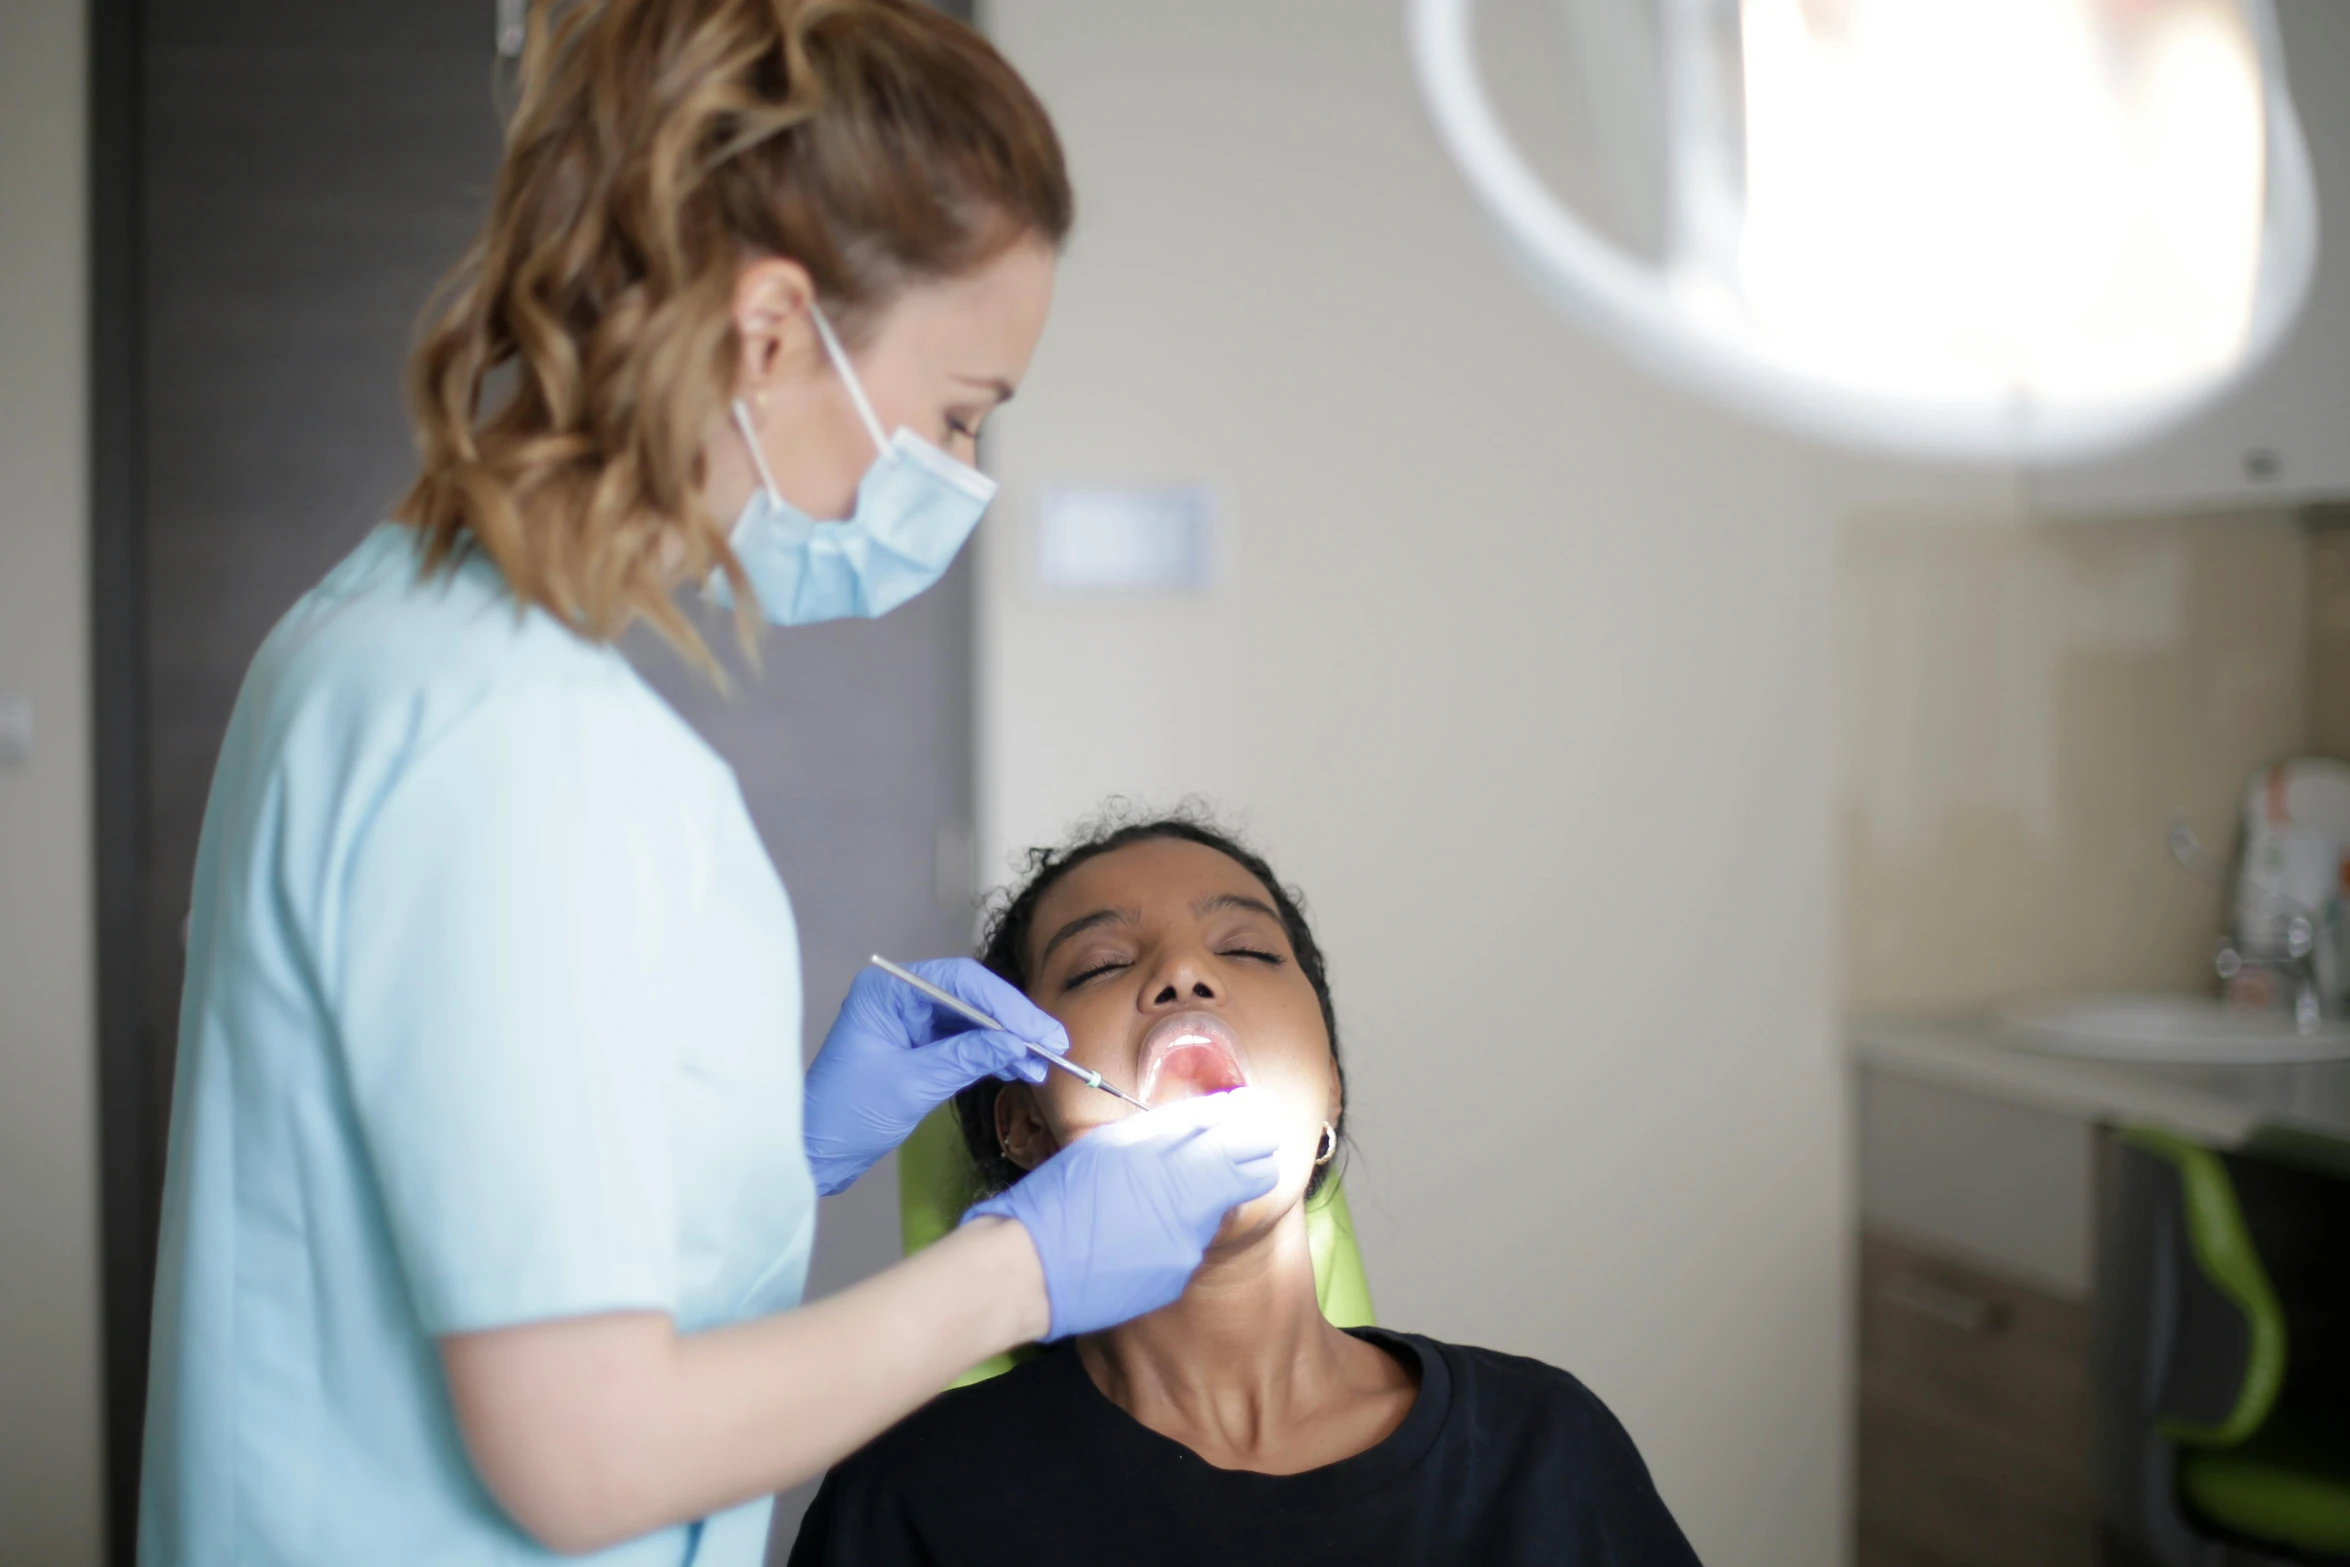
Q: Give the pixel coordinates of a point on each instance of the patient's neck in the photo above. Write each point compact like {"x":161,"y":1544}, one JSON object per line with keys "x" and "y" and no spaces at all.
{"x":1244,"y":1369}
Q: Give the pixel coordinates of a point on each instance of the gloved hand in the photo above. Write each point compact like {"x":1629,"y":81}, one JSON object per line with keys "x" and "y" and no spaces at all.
{"x":894,"y":1054}
{"x":1122,"y":1216}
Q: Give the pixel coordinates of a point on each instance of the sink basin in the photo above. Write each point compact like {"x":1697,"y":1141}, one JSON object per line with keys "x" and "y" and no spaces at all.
{"x":2166,"y":1028}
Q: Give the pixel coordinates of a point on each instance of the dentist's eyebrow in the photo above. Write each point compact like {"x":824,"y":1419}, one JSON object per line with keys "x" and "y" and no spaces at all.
{"x":1085,"y":922}
{"x":1002,"y":388}
{"x":1217,"y":902}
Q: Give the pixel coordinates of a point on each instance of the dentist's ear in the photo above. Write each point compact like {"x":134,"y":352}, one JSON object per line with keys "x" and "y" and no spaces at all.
{"x":771,"y":320}
{"x":1020,"y":1128}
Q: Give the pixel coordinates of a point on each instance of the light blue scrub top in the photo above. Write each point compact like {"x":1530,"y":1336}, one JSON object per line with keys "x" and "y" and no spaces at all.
{"x":492,"y":1015}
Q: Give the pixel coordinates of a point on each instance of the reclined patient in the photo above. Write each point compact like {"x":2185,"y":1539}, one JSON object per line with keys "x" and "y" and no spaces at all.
{"x":1236,"y":1425}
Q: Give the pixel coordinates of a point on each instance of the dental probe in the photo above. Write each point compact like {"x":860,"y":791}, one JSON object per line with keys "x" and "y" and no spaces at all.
{"x":958,"y":1004}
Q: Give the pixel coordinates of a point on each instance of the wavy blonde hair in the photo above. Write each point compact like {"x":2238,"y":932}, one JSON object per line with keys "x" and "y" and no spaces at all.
{"x":655,"y":146}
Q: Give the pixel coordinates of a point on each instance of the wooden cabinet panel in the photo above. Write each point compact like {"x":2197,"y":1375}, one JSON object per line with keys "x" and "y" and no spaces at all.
{"x":1974,"y":1418}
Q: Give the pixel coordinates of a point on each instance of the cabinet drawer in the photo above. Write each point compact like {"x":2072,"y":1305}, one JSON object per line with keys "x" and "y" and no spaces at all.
{"x":1974,"y":1417}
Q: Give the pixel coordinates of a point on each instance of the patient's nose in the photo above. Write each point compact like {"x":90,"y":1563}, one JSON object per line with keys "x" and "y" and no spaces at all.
{"x":1184,"y":983}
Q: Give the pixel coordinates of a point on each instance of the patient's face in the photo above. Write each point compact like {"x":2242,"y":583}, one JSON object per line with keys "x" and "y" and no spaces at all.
{"x":1168,"y":965}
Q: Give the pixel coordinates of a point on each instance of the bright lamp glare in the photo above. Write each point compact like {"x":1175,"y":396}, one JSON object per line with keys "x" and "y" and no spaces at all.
{"x":2044,"y":200}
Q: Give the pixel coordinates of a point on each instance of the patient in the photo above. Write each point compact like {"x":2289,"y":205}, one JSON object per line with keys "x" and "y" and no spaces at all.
{"x":1236,"y":1425}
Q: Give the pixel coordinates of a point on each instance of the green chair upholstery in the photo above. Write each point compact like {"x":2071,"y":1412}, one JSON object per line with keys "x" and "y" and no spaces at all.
{"x":2279,"y":1485}
{"x":2227,"y":1284}
{"x":2195,"y":1349}
{"x":934,"y":1187}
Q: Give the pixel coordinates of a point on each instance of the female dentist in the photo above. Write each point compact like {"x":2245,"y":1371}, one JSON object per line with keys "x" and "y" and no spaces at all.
{"x":492,"y":1173}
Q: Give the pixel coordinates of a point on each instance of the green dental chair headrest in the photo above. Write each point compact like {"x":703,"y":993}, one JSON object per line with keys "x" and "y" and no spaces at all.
{"x":934,"y":1187}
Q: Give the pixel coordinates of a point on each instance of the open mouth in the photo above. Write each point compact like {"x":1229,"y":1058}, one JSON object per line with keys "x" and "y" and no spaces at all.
{"x":1189,"y":1054}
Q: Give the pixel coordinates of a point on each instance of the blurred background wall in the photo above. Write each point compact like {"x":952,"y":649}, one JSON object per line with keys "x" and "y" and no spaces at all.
{"x":1521,"y":666}
{"x":49,"y":1384}
{"x":2329,"y":631}
{"x":2026,"y":712}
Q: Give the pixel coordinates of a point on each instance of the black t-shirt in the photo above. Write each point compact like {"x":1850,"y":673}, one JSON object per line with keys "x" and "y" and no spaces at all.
{"x":1501,"y":1460}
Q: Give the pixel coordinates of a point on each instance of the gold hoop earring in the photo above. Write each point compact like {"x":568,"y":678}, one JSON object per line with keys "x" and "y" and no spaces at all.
{"x":1326,"y":1149}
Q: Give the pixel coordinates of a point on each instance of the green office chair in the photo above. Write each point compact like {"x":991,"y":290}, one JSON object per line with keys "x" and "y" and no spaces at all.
{"x":934,"y":1187}
{"x":2222,"y":1400}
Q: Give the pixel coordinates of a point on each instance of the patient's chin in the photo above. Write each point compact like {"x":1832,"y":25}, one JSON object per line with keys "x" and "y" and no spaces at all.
{"x":1244,"y":1226}
{"x":1253,"y":1221}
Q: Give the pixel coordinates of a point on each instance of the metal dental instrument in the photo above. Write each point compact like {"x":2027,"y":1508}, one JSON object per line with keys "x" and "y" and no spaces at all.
{"x":958,"y":1004}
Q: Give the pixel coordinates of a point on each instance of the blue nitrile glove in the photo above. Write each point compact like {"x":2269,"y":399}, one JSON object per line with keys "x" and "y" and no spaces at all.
{"x":894,"y":1055}
{"x":1122,"y":1216}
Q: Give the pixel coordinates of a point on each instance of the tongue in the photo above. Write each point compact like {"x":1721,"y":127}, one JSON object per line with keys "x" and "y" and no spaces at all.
{"x":1188,"y":1071}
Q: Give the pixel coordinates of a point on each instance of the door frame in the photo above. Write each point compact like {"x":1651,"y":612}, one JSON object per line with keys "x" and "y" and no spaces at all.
{"x":130,"y":1184}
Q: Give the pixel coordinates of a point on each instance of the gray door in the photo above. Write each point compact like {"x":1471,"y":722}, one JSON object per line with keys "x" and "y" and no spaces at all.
{"x":853,"y":747}
{"x":287,"y":183}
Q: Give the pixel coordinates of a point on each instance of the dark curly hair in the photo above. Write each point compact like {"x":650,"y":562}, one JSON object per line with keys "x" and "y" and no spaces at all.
{"x":1011,"y":919}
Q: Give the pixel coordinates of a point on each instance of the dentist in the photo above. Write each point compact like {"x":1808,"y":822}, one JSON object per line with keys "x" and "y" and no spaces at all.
{"x":493,"y":1173}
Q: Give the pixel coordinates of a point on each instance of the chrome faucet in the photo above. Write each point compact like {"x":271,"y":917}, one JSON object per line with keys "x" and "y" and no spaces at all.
{"x":2295,"y":966}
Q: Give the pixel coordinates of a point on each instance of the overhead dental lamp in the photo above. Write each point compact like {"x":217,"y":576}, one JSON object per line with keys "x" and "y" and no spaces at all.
{"x":1988,"y":230}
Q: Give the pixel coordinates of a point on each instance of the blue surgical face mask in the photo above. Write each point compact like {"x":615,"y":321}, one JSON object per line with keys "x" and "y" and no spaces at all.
{"x":915,"y":507}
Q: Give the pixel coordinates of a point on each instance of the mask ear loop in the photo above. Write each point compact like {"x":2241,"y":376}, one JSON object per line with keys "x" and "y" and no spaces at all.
{"x":848,"y":376}
{"x":742,"y":422}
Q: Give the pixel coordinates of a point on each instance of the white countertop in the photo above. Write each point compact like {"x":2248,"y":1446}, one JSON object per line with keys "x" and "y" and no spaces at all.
{"x":2287,"y":1109}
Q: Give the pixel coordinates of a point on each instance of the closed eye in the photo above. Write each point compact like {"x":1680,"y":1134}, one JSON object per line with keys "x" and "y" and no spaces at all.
{"x":1096,"y":972}
{"x":1271,"y":959}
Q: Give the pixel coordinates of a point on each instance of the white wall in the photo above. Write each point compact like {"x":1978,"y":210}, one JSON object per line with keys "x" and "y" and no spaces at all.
{"x":49,"y":1389}
{"x":1522,"y":668}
